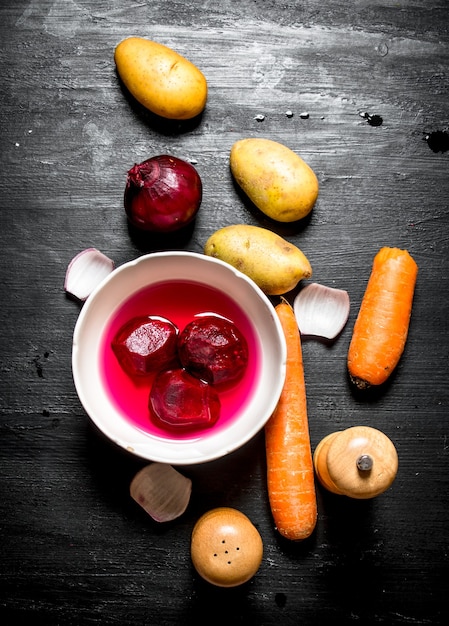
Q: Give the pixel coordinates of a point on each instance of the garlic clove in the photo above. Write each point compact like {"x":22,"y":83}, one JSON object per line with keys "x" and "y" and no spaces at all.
{"x":85,"y":271}
{"x":321,"y":311}
{"x":161,"y":491}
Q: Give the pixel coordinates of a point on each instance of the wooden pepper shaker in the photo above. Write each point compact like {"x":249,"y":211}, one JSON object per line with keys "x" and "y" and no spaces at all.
{"x":360,"y":462}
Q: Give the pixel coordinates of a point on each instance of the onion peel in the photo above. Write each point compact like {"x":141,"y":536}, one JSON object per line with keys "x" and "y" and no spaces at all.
{"x":163,"y":492}
{"x":321,"y":311}
{"x":85,"y":271}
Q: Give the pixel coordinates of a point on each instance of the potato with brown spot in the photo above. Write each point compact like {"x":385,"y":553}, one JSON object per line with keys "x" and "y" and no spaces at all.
{"x":273,"y":263}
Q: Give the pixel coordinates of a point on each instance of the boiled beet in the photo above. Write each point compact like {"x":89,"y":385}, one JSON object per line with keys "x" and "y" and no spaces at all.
{"x":213,"y":349}
{"x":146,"y":344}
{"x":180,"y":400}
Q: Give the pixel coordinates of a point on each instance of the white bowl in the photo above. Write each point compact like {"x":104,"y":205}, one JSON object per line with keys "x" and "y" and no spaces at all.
{"x":88,"y":356}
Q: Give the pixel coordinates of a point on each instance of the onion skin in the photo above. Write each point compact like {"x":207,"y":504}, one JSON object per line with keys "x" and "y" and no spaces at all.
{"x":163,"y":194}
{"x":161,"y":491}
{"x":85,"y":271}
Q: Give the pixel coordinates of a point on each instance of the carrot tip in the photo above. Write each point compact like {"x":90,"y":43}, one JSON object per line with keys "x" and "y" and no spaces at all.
{"x":360,"y":383}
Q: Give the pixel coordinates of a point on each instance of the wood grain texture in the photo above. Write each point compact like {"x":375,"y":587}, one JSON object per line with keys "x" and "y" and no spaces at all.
{"x":75,"y":548}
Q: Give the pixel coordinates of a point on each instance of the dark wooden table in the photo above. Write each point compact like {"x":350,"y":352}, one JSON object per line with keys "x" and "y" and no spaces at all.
{"x":75,"y":549}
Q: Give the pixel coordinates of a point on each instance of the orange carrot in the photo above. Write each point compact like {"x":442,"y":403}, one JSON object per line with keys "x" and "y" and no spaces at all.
{"x":290,"y":474}
{"x":381,"y":328}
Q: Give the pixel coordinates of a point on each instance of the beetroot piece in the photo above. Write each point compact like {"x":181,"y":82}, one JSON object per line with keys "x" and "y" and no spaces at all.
{"x":213,"y":349}
{"x":146,"y":344}
{"x":179,"y":400}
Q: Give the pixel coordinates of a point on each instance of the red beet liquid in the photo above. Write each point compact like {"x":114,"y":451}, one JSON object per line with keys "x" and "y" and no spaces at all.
{"x":180,"y":302}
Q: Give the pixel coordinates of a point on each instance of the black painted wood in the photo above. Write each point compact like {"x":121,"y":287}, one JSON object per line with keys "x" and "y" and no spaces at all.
{"x":75,"y":549}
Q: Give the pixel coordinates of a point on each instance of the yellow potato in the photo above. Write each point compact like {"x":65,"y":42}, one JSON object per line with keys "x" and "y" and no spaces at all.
{"x":275,"y":178}
{"x":160,"y":79}
{"x":273,"y":263}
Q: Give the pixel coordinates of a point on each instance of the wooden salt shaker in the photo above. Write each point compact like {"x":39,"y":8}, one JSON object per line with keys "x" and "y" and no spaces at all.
{"x":226,"y":548}
{"x":360,"y":462}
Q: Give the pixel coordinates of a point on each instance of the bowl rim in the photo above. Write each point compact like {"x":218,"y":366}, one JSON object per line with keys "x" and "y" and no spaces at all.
{"x":143,"y":444}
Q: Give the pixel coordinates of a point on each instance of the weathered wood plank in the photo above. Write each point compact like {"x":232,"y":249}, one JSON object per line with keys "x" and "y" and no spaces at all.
{"x":76,"y":549}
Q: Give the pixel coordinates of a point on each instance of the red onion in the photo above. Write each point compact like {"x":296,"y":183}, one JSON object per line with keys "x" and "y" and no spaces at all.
{"x":162,"y":194}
